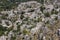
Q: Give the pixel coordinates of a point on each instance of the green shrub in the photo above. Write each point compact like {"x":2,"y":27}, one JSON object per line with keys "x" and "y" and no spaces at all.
{"x":2,"y":30}
{"x":47,"y":14}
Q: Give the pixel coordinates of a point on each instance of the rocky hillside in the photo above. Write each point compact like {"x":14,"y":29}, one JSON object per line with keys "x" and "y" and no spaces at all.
{"x":31,"y":21}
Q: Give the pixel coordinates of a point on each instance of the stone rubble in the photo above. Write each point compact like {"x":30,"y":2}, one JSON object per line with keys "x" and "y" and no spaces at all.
{"x":28,"y":22}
